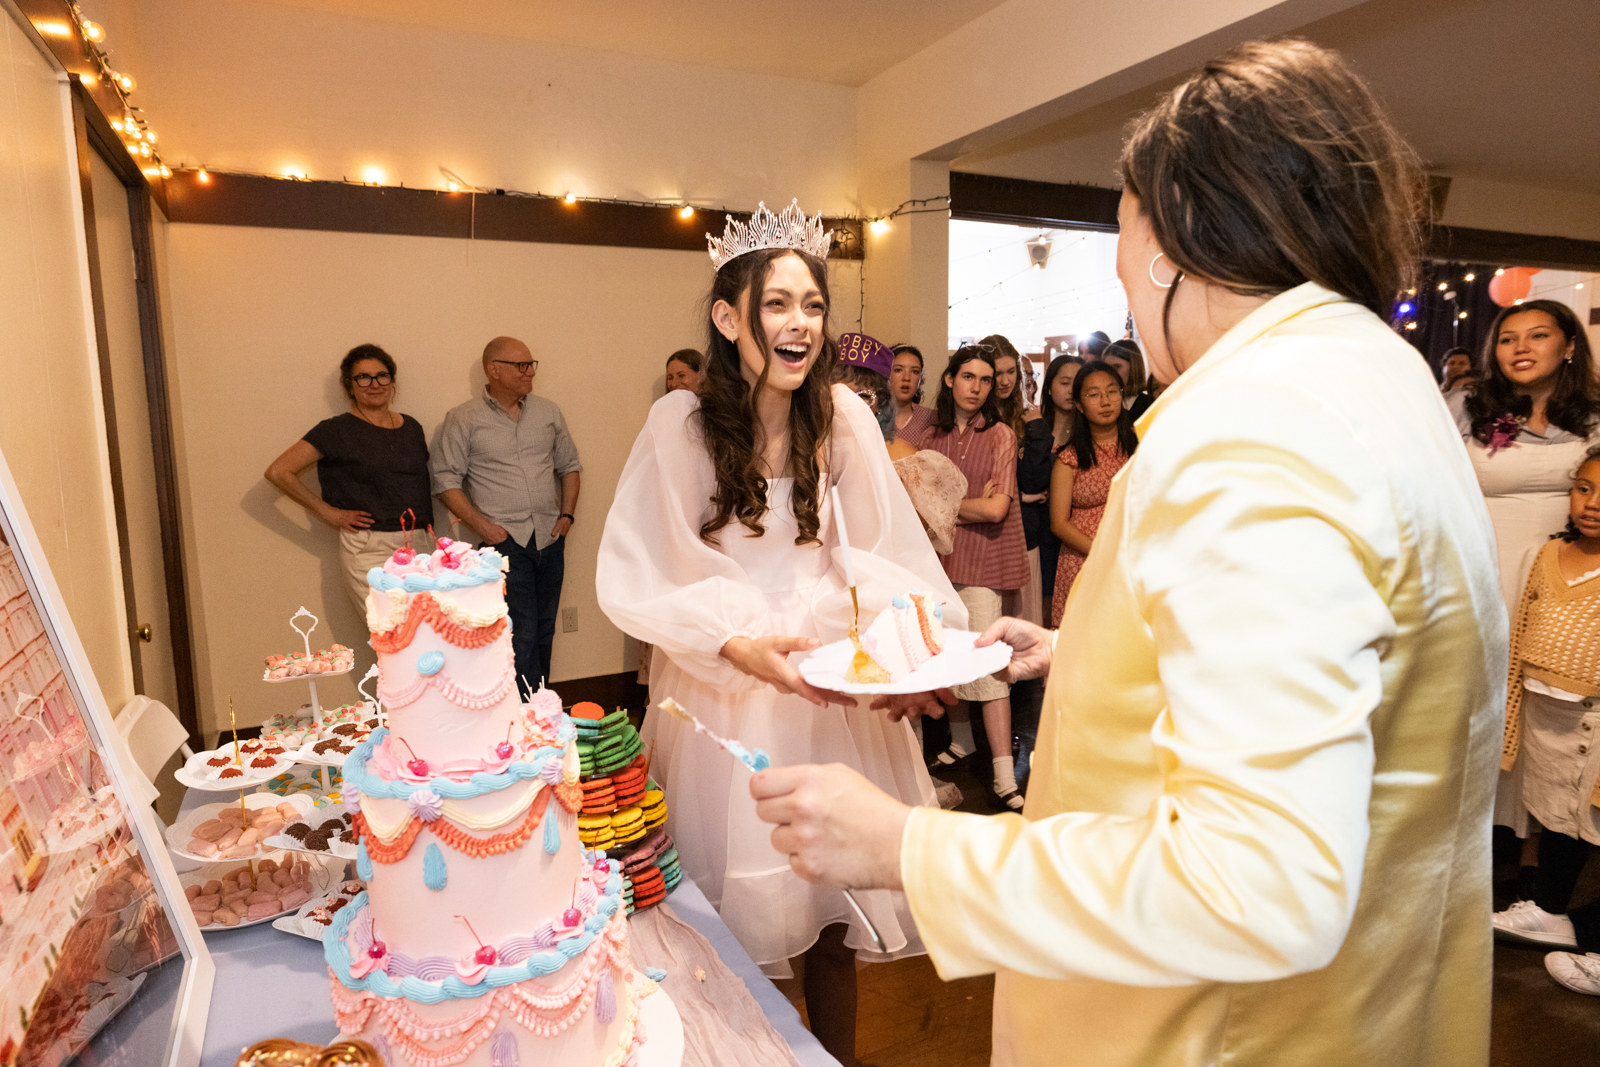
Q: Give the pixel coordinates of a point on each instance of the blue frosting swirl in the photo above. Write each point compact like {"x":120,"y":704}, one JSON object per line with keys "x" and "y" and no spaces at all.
{"x":430,"y":663}
{"x":337,"y":955}
{"x":486,"y":570}
{"x":370,"y":785}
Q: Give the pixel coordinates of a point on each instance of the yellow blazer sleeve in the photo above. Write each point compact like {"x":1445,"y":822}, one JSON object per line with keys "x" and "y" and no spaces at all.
{"x":1258,"y":539}
{"x":1519,"y":622}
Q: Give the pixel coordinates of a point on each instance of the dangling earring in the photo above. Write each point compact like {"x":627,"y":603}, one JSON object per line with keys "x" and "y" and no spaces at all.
{"x":1153,"y":281}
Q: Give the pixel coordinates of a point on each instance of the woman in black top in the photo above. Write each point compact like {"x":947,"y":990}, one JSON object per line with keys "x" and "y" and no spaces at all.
{"x":372,"y":464}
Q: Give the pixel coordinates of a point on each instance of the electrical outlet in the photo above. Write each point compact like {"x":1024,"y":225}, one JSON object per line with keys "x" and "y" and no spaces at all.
{"x":569,"y":620}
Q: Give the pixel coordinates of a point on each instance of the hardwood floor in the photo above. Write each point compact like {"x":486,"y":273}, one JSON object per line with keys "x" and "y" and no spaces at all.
{"x":907,"y":1017}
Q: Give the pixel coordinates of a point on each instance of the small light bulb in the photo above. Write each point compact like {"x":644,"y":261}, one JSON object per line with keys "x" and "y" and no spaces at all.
{"x":88,"y":79}
{"x":166,"y":172}
{"x":127,"y":82}
{"x":144,"y":150}
{"x":1411,"y":326}
{"x":1469,"y":276}
{"x":880,"y":225}
{"x":686,"y":212}
{"x":1499,"y":271}
{"x":570,"y":198}
{"x":1443,"y":286}
{"x":1578,"y":286}
{"x":452,"y":186}
{"x":372,"y":175}
{"x":1518,"y":300}
{"x":203,"y":176}
{"x":1462,"y":315}
{"x":94,"y":31}
{"x":1411,"y":292}
{"x":150,"y":135}
{"x":116,"y":124}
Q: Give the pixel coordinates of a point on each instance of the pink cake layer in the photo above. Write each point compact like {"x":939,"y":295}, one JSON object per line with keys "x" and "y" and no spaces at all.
{"x":437,"y":728}
{"x":503,"y":896}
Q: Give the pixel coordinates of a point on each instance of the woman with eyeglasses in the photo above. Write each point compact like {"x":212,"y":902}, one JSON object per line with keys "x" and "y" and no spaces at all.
{"x":372,"y":465}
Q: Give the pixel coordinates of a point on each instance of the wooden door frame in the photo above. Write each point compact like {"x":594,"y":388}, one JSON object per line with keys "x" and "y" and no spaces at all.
{"x":93,"y":134}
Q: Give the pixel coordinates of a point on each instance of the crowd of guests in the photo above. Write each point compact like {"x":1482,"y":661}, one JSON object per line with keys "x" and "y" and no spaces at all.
{"x":502,"y":463}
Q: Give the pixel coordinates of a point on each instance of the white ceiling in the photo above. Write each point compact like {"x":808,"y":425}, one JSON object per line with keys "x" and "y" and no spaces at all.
{"x":846,"y":42}
{"x":1501,"y":91}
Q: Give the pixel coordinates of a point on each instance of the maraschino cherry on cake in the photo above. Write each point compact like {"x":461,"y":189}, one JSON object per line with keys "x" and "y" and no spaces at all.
{"x":487,"y":934}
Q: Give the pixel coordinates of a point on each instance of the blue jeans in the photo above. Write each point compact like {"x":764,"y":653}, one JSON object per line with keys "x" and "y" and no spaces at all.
{"x":533,"y":597}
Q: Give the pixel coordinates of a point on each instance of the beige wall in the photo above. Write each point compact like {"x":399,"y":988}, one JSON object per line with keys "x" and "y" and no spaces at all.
{"x":1491,"y":205}
{"x":260,"y":319}
{"x":260,"y":87}
{"x":51,"y":430}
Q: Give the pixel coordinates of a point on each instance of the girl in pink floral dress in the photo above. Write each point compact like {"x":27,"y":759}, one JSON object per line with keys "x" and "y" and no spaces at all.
{"x":1102,"y":440}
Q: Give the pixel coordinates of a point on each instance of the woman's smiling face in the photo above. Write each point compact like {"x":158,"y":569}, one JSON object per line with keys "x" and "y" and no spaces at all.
{"x":790,"y":313}
{"x":1531,"y":348}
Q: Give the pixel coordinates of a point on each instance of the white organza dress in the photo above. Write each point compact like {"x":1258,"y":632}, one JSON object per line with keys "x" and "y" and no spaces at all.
{"x":659,"y":581}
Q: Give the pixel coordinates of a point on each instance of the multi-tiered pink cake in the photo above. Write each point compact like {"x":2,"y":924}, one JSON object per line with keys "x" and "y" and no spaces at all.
{"x":487,"y":936}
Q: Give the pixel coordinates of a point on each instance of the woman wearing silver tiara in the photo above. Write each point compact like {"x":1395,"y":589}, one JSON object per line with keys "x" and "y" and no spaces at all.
{"x":722,"y":550}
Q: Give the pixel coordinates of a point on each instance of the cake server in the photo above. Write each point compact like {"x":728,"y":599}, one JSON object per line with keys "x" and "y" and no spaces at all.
{"x":758,"y":760}
{"x":860,"y":661}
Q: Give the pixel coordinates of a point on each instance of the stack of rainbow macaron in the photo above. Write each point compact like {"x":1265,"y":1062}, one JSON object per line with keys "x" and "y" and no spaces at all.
{"x":624,"y":812}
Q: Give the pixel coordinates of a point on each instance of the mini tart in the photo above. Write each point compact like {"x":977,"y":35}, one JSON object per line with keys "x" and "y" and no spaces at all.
{"x":263,"y":761}
{"x":218,"y":761}
{"x":230,"y":772}
{"x":250,"y":745}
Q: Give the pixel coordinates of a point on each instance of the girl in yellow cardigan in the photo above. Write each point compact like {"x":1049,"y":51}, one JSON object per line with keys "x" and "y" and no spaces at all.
{"x":1552,"y":723}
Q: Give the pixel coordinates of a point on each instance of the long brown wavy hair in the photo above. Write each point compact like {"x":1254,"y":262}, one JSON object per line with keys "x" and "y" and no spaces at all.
{"x":727,"y":414}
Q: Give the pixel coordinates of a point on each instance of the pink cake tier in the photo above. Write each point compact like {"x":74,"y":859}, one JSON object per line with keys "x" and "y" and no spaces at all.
{"x":487,"y":934}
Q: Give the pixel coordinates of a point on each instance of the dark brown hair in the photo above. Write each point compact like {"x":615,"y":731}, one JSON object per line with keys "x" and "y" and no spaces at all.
{"x":1275,"y":166}
{"x":689,"y":357}
{"x":727,"y":413}
{"x":1572,"y":406}
{"x":1047,"y":403}
{"x":944,"y":408}
{"x":347,"y":365}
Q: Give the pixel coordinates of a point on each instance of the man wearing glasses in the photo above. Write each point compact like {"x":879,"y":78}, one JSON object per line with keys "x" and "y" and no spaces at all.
{"x":505,"y":465}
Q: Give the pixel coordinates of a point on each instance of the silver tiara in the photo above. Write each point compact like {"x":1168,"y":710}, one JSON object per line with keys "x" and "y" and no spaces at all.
{"x":790,"y":229}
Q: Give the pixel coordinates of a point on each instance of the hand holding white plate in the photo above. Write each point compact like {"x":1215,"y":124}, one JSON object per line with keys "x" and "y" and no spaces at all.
{"x":958,"y":664}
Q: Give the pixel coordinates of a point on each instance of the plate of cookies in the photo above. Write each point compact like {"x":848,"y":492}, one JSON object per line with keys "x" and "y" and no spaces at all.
{"x":224,"y":897}
{"x":215,"y":832}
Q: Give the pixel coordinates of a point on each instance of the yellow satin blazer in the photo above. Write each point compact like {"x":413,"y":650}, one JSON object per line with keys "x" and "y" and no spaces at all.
{"x":1258,"y":827}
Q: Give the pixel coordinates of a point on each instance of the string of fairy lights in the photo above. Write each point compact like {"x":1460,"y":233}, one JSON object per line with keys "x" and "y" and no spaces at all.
{"x":131,"y":124}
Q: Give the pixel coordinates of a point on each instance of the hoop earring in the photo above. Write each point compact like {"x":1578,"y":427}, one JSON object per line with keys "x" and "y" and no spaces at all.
{"x":1153,"y":281}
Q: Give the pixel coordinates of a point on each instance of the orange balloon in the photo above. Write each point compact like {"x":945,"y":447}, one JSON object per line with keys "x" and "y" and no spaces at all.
{"x":1513,"y":285}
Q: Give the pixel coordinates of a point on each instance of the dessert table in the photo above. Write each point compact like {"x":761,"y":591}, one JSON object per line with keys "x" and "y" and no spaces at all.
{"x":273,"y":984}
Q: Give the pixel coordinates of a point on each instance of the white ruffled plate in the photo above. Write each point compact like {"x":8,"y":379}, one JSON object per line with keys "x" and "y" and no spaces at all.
{"x":958,"y":664}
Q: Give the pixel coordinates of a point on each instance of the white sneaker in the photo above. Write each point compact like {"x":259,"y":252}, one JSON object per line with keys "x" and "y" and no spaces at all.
{"x":1526,"y":921}
{"x":1581,"y":974}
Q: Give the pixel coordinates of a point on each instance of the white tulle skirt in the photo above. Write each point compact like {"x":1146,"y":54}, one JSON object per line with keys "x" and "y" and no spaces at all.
{"x":728,"y":851}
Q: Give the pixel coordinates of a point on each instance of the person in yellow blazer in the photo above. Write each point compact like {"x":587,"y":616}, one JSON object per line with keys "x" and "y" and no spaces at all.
{"x":1259,"y":830}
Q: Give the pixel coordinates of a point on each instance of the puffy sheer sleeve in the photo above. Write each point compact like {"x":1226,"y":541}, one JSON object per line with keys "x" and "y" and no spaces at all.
{"x":890,"y":549}
{"x":656,"y":578}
